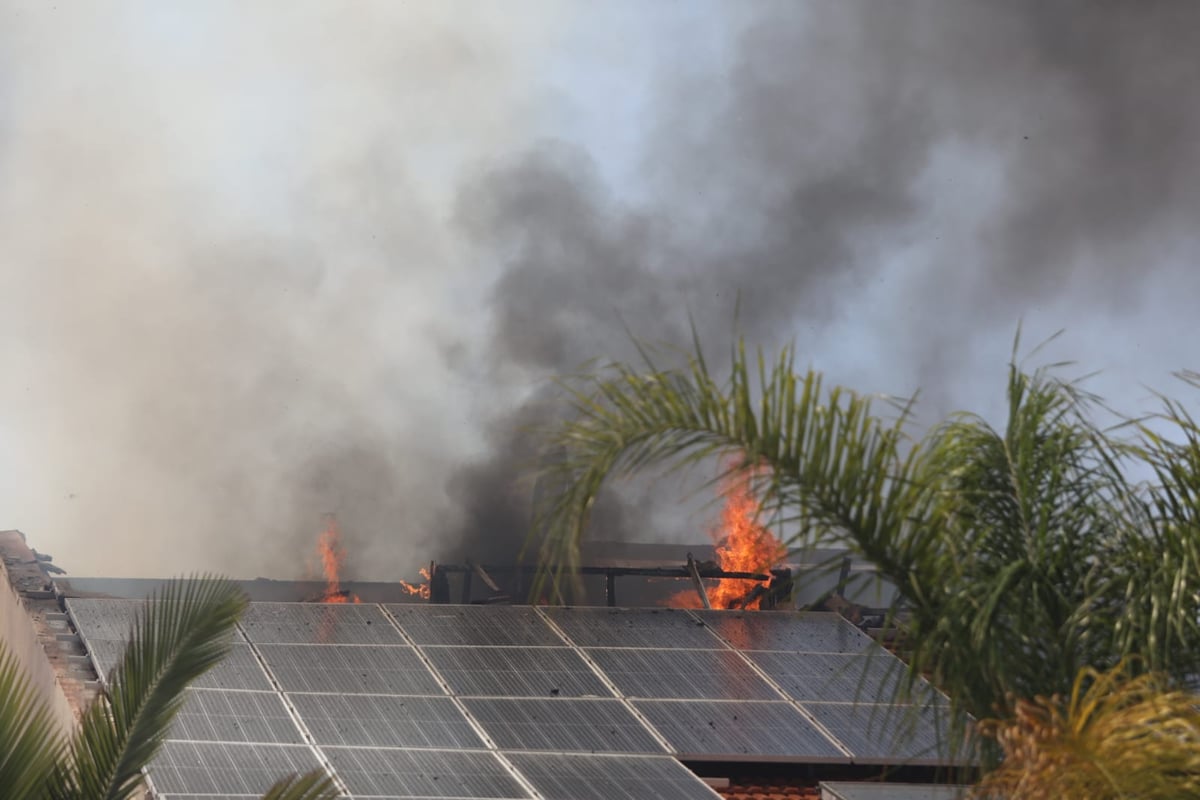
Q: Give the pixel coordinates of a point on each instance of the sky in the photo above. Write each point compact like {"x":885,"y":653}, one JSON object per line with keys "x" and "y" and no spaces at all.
{"x":261,"y":264}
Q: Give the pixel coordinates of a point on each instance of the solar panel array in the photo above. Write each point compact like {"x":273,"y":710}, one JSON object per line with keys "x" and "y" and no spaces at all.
{"x":425,"y":701}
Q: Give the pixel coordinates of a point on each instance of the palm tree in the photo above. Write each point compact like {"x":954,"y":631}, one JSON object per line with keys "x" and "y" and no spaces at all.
{"x":1021,"y":555}
{"x":185,"y":630}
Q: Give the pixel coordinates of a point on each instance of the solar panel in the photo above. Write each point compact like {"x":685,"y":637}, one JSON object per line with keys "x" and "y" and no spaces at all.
{"x":804,"y":632}
{"x":474,"y":625}
{"x":735,"y":729}
{"x":676,"y":674}
{"x":515,"y":672}
{"x":624,"y":627}
{"x":840,"y":677}
{"x":222,"y":768}
{"x":349,"y":669}
{"x":385,"y":721}
{"x":318,"y":623}
{"x":380,"y":713}
{"x":886,"y":733}
{"x":214,"y":715}
{"x":595,"y":777}
{"x":562,"y":725}
{"x":239,"y":670}
{"x":423,"y":773}
{"x":104,"y":619}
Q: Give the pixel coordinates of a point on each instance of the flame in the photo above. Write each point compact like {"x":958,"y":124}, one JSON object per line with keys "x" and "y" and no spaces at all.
{"x":743,"y":545}
{"x":419,"y":589}
{"x":332,"y":554}
{"x":746,"y":545}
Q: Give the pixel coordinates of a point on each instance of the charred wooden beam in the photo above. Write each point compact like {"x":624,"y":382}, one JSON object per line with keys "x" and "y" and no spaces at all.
{"x":645,"y":572}
{"x":697,"y":582}
{"x":439,"y":584}
{"x":483,"y":576}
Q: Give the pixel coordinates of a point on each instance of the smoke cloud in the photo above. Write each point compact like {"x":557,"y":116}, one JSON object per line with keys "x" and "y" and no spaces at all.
{"x":258,"y":267}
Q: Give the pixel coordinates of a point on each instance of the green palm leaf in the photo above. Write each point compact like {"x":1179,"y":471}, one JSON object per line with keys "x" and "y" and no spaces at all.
{"x":315,"y":785}
{"x":181,"y":633}
{"x":30,"y":746}
{"x":830,"y":464}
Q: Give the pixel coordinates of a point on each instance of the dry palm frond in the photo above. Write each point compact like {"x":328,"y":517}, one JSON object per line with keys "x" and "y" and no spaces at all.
{"x":1118,"y":736}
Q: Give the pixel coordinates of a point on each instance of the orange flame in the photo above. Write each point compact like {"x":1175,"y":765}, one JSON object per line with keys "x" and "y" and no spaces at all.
{"x":332,"y":554}
{"x":743,"y":545}
{"x":747,"y":545}
{"x":419,"y":589}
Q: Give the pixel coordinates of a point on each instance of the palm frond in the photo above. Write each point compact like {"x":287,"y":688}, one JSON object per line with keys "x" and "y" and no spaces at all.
{"x":1023,"y":523}
{"x":183,"y":631}
{"x":1159,"y":617}
{"x":825,"y":455}
{"x":1021,"y":553}
{"x":30,"y":745}
{"x":315,"y":785}
{"x":1116,"y":736}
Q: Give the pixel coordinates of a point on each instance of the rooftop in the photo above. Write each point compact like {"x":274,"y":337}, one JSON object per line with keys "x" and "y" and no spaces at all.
{"x":424,"y":700}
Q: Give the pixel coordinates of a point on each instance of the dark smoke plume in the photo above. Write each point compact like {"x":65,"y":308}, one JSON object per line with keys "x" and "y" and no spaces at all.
{"x":938,"y":170}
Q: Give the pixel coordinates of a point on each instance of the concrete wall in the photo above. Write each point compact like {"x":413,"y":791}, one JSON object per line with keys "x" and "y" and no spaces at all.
{"x":20,"y":637}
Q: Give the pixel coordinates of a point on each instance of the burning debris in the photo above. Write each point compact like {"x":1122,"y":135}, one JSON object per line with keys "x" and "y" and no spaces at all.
{"x":420,"y":589}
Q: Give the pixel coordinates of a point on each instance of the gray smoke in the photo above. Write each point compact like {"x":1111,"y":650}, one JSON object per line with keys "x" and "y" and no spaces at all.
{"x":921,"y":175}
{"x":258,"y":267}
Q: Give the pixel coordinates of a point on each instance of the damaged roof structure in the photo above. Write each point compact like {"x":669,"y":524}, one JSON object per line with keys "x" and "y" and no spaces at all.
{"x":423,"y":700}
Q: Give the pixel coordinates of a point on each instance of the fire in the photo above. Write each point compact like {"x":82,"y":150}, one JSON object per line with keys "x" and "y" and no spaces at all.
{"x":419,"y":589}
{"x":332,"y":554}
{"x":743,"y":545}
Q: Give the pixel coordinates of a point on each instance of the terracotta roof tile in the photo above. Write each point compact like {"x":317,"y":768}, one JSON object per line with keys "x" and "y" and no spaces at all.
{"x":757,"y":789}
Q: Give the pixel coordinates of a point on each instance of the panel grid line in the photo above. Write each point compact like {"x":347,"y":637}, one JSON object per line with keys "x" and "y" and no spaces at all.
{"x":479,"y":731}
{"x":304,"y":731}
{"x":612,"y":687}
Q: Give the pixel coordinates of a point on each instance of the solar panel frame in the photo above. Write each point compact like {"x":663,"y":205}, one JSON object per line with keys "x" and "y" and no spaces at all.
{"x":391,"y":772}
{"x":562,"y":725}
{"x":673,"y":674}
{"x":739,"y":730}
{"x":350,"y":669}
{"x":515,"y":672}
{"x":318,"y":623}
{"x":575,"y":776}
{"x":218,"y":715}
{"x":476,"y":625}
{"x":226,"y":768}
{"x":795,"y":631}
{"x":345,"y":720}
{"x":633,"y":627}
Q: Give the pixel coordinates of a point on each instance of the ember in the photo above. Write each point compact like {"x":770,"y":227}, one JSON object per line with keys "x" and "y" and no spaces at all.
{"x":332,"y":554}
